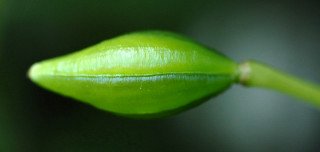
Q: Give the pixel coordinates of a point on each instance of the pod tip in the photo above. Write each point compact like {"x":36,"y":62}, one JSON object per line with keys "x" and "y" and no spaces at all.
{"x":33,"y":72}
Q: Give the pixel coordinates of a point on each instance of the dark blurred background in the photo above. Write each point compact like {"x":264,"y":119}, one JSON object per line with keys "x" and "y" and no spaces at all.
{"x":284,"y":34}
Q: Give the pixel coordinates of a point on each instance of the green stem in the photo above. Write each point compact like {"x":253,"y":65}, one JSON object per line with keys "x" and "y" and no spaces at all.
{"x":255,"y":74}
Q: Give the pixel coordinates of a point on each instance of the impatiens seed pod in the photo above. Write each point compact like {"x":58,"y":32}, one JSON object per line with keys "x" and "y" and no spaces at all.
{"x":154,"y":74}
{"x":143,"y":74}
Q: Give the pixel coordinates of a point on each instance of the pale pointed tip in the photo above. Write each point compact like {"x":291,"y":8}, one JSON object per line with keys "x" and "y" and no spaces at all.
{"x":33,"y":72}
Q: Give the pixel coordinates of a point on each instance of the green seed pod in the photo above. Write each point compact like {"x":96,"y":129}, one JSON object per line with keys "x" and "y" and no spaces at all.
{"x":143,"y":74}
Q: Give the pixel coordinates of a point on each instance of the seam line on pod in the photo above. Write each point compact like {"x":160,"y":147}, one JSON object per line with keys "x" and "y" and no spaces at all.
{"x":138,"y":75}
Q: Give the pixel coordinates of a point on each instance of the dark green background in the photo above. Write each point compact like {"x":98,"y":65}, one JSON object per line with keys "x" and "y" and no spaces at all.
{"x":285,"y":34}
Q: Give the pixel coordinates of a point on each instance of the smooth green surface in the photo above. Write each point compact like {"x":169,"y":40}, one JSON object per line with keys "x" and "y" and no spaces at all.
{"x":260,"y":75}
{"x":141,"y":74}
